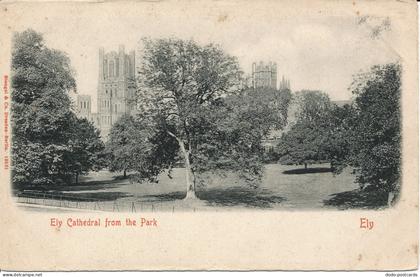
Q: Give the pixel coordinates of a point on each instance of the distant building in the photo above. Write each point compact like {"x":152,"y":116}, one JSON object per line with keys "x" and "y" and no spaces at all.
{"x":116,"y":87}
{"x":84,"y":107}
{"x":264,"y":75}
{"x":284,"y":84}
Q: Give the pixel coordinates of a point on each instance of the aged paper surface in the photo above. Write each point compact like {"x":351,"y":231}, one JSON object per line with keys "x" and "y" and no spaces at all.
{"x":301,"y":236}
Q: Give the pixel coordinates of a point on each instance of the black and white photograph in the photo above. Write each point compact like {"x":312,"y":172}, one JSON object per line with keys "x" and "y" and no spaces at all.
{"x":187,"y":121}
{"x":226,"y":107}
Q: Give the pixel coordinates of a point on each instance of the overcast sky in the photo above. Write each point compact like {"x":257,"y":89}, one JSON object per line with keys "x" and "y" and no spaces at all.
{"x":314,"y":52}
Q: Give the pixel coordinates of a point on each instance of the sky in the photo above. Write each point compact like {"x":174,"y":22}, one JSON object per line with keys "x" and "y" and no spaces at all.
{"x":317,"y":52}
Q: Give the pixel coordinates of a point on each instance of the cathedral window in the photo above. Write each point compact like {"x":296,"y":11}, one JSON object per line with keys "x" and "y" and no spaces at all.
{"x":129,"y":68}
{"x":105,"y":69}
{"x":111,"y":68}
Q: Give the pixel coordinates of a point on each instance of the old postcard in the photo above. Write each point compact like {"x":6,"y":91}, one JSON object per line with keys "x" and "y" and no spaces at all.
{"x":209,"y":135}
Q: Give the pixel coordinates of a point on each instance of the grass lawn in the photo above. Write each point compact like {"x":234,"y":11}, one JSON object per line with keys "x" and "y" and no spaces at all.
{"x":283,"y":187}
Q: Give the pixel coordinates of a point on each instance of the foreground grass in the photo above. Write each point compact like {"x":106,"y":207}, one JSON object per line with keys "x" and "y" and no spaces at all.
{"x":358,"y":199}
{"x":283,"y":187}
{"x":232,"y":196}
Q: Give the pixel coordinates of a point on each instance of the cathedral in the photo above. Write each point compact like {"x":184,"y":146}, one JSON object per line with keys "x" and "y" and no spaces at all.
{"x":115,"y":91}
{"x":117,"y":86}
{"x":264,"y":75}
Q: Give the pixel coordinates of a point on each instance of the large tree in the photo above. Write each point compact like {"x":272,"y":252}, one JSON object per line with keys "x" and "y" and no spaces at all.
{"x":41,"y":109}
{"x":337,"y":132}
{"x":376,"y":149}
{"x":84,"y":149}
{"x":47,"y":136}
{"x":267,"y":111}
{"x":127,"y":145}
{"x":303,"y":143}
{"x":190,"y":96}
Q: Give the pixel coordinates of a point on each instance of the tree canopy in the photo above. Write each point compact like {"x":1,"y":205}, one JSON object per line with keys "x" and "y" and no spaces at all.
{"x":84,"y":149}
{"x":337,"y":128}
{"x":47,"y":136}
{"x":376,"y":137}
{"x":128,"y":145}
{"x":303,"y":143}
{"x":190,"y":97}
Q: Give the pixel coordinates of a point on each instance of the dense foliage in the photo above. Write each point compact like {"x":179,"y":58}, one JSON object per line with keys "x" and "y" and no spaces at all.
{"x":365,"y":135}
{"x":337,"y":130}
{"x":128,"y":146}
{"x":376,"y":137}
{"x":49,"y":143}
{"x":190,"y":96}
{"x":303,"y":143}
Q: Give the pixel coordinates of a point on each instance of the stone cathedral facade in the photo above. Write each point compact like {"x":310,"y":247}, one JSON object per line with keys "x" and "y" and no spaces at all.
{"x":115,"y":91}
{"x":264,"y":75}
{"x":116,"y":87}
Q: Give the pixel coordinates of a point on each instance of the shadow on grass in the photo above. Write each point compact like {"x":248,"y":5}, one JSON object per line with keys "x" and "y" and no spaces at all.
{"x":240,"y":196}
{"x":171,"y":196}
{"x":98,"y":196}
{"x":308,"y":170}
{"x":79,"y":197}
{"x":233,"y":196}
{"x":93,"y":185}
{"x":358,"y":199}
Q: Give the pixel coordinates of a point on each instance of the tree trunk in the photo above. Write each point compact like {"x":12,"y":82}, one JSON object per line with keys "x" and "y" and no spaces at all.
{"x":77,"y":177}
{"x":125,"y":173}
{"x":189,"y":175}
{"x":391,"y":196}
{"x":188,"y":171}
{"x":306,"y":166}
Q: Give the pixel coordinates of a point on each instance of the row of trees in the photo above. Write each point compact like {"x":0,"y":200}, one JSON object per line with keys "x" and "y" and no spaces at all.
{"x":194,"y":110}
{"x":364,"y":134}
{"x":51,"y":146}
{"x":192,"y":106}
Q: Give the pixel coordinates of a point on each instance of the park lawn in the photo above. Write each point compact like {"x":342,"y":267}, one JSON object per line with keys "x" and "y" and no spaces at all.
{"x":283,"y":187}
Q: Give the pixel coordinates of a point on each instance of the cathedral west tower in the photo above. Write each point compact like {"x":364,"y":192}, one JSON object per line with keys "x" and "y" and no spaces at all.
{"x":116,"y":87}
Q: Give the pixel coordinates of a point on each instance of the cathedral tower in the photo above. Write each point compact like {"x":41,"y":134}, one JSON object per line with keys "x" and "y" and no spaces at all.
{"x":264,"y":75}
{"x":116,"y":87}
